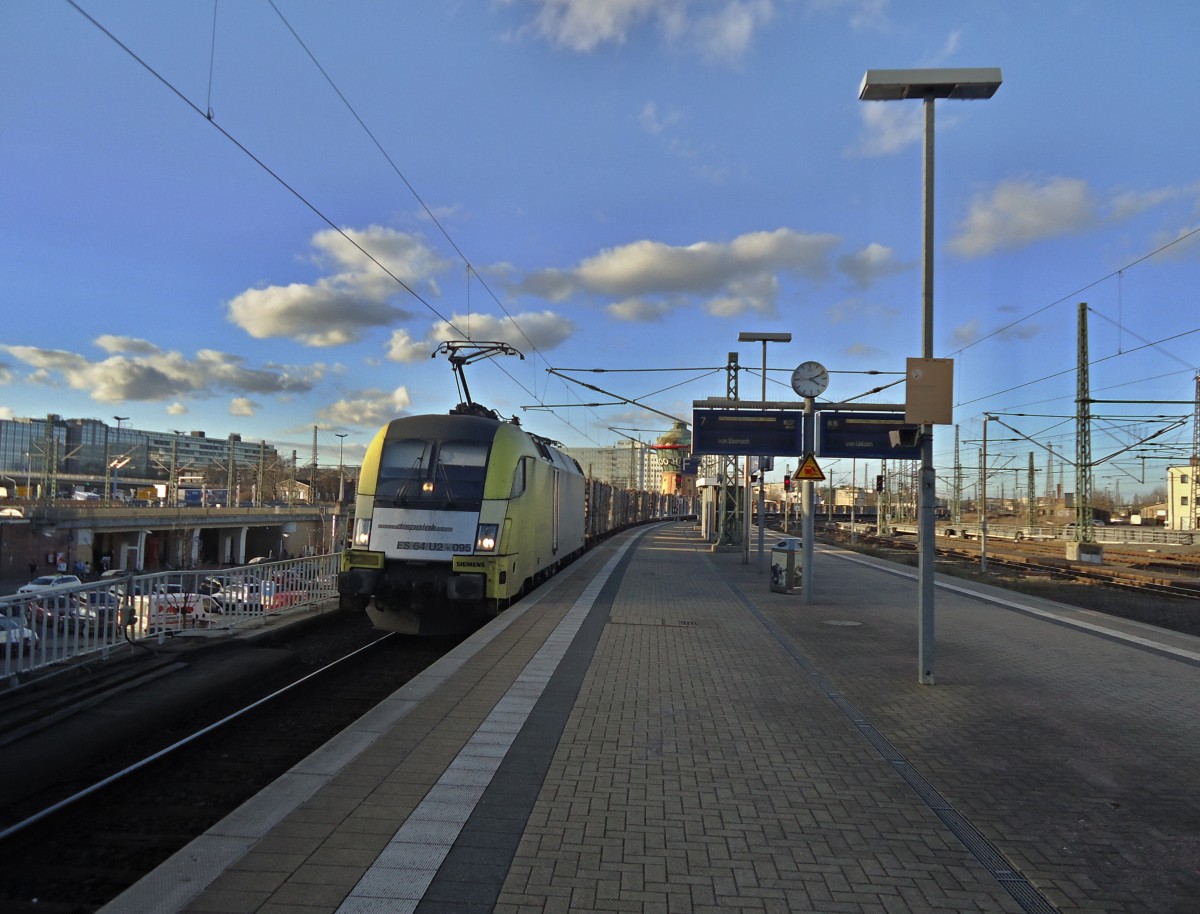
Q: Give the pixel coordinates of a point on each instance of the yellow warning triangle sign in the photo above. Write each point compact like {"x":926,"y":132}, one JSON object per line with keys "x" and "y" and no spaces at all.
{"x":808,"y":469}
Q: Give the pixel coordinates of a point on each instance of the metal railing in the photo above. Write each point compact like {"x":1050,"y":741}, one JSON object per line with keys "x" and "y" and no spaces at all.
{"x":49,"y":627}
{"x":1109,"y":533}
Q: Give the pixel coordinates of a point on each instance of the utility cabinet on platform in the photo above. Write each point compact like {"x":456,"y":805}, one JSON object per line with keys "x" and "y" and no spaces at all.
{"x":787,"y":565}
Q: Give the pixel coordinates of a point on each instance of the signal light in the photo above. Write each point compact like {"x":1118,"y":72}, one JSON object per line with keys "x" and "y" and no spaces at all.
{"x":787,"y":483}
{"x":878,"y":483}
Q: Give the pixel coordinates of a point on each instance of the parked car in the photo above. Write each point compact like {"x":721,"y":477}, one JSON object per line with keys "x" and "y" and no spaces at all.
{"x":54,"y":611}
{"x":50,"y":582}
{"x":16,"y":636}
{"x":99,"y":610}
{"x":214,"y":584}
{"x":248,"y":595}
{"x":168,"y":603}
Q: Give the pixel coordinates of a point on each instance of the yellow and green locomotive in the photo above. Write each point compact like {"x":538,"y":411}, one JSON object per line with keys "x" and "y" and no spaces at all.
{"x":456,"y":516}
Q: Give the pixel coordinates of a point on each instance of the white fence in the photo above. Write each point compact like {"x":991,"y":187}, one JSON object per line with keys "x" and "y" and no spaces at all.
{"x":50,"y":627}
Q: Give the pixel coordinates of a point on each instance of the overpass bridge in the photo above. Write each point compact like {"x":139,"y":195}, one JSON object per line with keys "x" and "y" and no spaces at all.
{"x":144,"y":537}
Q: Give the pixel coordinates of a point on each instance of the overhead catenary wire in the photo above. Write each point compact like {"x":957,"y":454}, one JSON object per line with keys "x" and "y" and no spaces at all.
{"x":312,"y":207}
{"x":1073,"y":296}
{"x":1119,"y":274}
{"x":471,"y":271}
{"x":212,"y":58}
{"x":209,"y":117}
{"x":1072,"y":369}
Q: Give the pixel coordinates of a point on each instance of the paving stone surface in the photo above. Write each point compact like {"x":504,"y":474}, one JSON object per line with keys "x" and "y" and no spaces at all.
{"x":681,"y":739}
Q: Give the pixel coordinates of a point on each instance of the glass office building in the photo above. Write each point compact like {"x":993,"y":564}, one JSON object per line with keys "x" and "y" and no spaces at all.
{"x":72,"y":457}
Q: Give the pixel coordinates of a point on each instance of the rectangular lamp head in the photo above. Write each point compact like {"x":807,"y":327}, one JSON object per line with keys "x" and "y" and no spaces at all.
{"x":747,"y":337}
{"x":962,"y":82}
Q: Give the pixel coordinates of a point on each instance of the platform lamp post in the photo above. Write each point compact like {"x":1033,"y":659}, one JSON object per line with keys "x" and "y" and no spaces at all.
{"x":341,"y":437}
{"x":928,"y":85}
{"x":115,"y":468}
{"x":764,"y":338}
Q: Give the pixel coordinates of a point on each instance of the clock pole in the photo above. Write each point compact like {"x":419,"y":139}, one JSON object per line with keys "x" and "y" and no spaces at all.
{"x":808,"y":522}
{"x":809,"y":380}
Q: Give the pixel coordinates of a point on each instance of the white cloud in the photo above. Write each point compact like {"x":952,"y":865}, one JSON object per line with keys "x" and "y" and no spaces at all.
{"x":1184,"y":243}
{"x":753,"y":294}
{"x":1133,"y":203}
{"x":403,"y":348}
{"x":583,"y":25}
{"x":139,"y":370}
{"x":640,"y":309}
{"x":649,"y":278}
{"x":367,"y":408}
{"x":654,"y":123}
{"x":342,"y":307}
{"x":177,"y":409}
{"x":1019,"y":212}
{"x":867,"y":266}
{"x":406,"y":257}
{"x":126,"y":344}
{"x":717,"y":29}
{"x":966,"y":334}
{"x":888,"y":128}
{"x":315,"y":315}
{"x":953,"y":40}
{"x":541,"y":330}
{"x":651,"y":267}
{"x":728,"y":33}
{"x":242,"y":406}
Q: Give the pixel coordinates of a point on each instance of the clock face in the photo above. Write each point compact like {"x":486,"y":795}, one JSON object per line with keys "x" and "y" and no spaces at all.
{"x":810,"y":379}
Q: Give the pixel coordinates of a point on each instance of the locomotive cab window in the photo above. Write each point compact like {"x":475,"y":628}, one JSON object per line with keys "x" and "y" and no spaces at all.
{"x":401,"y":466}
{"x":520,"y":476}
{"x":461,"y":468}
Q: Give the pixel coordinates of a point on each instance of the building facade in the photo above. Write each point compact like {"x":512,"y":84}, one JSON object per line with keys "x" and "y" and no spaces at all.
{"x":631,"y":466}
{"x":1182,"y":511}
{"x":54,"y":458}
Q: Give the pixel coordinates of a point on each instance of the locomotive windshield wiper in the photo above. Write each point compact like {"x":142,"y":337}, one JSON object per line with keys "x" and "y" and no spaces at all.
{"x":401,"y":497}
{"x":440,"y":469}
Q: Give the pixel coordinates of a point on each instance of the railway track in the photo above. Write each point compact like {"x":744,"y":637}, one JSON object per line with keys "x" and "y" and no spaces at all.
{"x":76,"y":857}
{"x":1157,"y":588}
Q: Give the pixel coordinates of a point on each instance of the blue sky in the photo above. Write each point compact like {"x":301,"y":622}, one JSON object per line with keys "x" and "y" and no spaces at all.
{"x":606,"y":184}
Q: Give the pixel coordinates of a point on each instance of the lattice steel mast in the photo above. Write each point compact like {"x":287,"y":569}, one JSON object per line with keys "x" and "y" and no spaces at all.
{"x":956,"y":503}
{"x":730,"y":519}
{"x":1083,"y":437}
{"x":1193,"y":508}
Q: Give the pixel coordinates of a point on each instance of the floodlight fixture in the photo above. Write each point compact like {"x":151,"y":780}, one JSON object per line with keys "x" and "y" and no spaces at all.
{"x":748,"y":337}
{"x":896,"y":85}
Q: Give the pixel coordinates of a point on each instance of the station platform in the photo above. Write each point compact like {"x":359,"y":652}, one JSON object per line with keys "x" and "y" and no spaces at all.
{"x":655,"y":730}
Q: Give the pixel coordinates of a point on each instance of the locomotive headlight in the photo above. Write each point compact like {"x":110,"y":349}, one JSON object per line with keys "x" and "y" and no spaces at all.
{"x":362,"y":531}
{"x":485,"y":537}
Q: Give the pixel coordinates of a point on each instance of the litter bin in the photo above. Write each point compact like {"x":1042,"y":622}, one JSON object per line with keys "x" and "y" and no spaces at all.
{"x":787,"y":563}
